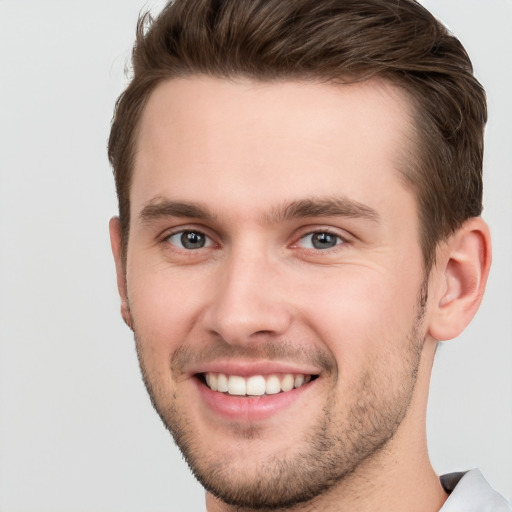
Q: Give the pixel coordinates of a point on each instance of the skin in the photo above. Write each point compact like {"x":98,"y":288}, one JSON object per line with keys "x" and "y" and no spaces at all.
{"x":253,"y":160}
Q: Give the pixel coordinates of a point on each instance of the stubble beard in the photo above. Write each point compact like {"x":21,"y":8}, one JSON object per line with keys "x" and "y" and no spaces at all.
{"x":332,"y":449}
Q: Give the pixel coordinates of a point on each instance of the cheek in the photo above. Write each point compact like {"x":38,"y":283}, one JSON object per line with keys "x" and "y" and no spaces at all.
{"x":164,"y":308}
{"x":357,"y":312}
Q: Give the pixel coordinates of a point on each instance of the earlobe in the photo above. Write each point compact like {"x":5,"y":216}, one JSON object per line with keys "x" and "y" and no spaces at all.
{"x":463,"y":270}
{"x":116,"y":244}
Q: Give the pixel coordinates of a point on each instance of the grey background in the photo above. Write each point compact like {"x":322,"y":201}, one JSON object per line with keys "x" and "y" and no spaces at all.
{"x":77,"y":432}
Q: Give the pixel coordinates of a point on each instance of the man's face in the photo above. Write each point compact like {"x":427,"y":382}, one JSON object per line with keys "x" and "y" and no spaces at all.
{"x":274,"y":246}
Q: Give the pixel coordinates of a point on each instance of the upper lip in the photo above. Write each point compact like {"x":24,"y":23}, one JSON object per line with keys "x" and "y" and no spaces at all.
{"x":248,"y":368}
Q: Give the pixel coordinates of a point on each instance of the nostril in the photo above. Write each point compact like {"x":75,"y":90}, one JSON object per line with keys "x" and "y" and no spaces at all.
{"x":262,"y":333}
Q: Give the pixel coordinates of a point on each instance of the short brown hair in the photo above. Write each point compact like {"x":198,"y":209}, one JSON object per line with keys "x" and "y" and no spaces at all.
{"x":338,"y":41}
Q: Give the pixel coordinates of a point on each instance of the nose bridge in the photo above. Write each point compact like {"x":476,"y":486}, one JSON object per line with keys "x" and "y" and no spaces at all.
{"x":247,"y":299}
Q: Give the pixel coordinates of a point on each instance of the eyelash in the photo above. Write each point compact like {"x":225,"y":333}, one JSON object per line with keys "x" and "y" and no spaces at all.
{"x":208,"y":240}
{"x":339,"y":240}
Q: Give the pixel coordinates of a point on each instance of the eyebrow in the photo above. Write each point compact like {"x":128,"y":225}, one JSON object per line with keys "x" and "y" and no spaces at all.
{"x":339,"y":206}
{"x":161,"y":208}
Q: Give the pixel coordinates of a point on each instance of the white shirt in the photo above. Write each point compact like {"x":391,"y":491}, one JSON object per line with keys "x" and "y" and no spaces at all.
{"x":470,"y":492}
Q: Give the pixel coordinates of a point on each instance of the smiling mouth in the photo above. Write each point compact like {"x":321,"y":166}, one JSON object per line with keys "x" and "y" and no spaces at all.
{"x":255,"y":385}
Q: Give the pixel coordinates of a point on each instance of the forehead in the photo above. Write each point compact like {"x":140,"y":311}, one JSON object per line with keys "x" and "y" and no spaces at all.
{"x":216,"y":140}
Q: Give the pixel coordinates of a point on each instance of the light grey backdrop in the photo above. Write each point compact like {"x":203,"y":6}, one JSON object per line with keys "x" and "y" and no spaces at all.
{"x":77,"y":432}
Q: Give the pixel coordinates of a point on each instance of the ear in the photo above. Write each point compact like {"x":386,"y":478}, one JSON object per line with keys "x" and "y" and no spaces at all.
{"x":116,"y":244}
{"x":462,"y":269}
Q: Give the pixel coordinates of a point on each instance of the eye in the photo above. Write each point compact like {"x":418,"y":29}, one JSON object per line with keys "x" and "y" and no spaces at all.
{"x":320,"y":240}
{"x":189,"y":240}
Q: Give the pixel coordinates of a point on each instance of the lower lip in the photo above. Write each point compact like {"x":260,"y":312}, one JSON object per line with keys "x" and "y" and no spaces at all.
{"x":249,"y":408}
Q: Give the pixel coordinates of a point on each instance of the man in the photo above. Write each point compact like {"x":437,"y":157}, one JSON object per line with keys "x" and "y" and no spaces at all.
{"x":299,"y":225}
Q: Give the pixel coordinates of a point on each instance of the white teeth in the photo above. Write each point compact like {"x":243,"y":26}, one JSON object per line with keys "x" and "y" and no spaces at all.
{"x":256,"y":385}
{"x":273,"y":385}
{"x":222,"y":383}
{"x":236,"y":385}
{"x":212,"y":381}
{"x":287,"y":382}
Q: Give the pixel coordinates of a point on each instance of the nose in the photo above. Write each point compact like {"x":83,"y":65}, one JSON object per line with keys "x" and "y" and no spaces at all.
{"x":248,"y":300}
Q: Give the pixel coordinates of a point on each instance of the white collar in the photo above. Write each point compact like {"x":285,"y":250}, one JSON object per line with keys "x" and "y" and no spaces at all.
{"x":470,"y":492}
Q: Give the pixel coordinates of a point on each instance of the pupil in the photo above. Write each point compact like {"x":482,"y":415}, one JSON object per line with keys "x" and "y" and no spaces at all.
{"x":323,"y":240}
{"x":191,"y":240}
